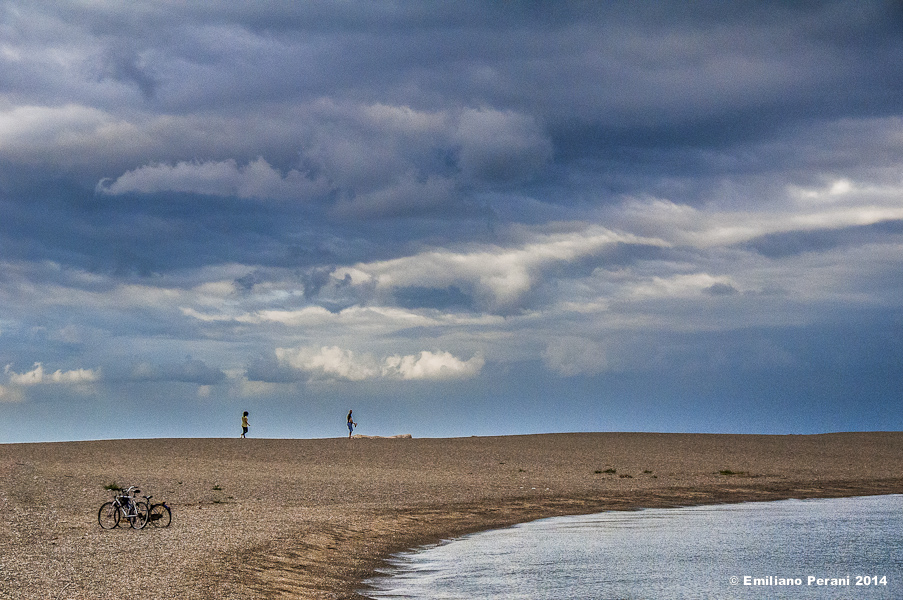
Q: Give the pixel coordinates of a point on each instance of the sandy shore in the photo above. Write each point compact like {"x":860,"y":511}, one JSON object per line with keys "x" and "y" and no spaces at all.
{"x":312,"y":518}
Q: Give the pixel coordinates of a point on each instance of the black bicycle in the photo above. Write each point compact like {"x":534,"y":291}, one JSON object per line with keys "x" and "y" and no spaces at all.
{"x":159,"y":514}
{"x":124,"y":506}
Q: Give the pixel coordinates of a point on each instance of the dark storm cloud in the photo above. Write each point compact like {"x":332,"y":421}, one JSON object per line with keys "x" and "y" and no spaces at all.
{"x":720,"y":289}
{"x":127,"y":66}
{"x":709,"y":69}
{"x":779,"y":245}
{"x":423,"y":297}
{"x":621,"y":95}
{"x":561,"y":99}
{"x":314,"y":280}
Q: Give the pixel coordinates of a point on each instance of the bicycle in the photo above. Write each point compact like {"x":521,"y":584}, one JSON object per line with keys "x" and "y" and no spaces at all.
{"x":159,"y":514}
{"x":124,"y":506}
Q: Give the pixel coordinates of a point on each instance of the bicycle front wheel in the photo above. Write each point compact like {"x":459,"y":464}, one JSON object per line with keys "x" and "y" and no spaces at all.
{"x":141,"y":515}
{"x":160,"y":515}
{"x":108,"y":515}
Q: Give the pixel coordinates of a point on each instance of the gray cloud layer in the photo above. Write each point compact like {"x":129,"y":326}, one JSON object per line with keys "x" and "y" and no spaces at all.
{"x":314,"y":193}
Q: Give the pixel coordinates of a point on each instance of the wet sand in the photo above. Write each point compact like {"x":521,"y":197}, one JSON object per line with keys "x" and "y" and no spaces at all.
{"x":313,"y":518}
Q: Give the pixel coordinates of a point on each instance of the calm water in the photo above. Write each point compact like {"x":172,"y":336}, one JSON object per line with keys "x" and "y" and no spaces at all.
{"x":700,"y":552}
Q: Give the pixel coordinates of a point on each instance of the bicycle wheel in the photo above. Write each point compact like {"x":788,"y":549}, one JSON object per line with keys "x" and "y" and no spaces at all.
{"x":141,"y":515}
{"x":160,"y":515}
{"x":108,"y":515}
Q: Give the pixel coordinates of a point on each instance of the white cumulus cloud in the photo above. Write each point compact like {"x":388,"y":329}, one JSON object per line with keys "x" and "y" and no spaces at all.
{"x":432,"y":365}
{"x":255,"y":180}
{"x":332,"y":362}
{"x":39,"y":376}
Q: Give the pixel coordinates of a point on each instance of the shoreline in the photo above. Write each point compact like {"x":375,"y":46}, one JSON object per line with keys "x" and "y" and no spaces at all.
{"x":393,"y":569}
{"x":625,"y":502}
{"x":315,"y":518}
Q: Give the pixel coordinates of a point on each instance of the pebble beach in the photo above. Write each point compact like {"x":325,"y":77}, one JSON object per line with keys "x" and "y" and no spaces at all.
{"x":265,"y":518}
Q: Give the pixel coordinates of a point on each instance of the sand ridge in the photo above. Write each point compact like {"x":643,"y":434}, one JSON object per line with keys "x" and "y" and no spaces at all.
{"x":313,"y":518}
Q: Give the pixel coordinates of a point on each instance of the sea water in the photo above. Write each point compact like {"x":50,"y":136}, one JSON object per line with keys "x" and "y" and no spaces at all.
{"x":837,"y":548}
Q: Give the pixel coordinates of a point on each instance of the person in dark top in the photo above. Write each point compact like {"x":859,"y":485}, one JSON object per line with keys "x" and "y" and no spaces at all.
{"x":351,"y":425}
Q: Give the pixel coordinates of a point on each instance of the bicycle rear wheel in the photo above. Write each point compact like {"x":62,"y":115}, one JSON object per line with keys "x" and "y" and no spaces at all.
{"x":108,"y":515}
{"x":141,"y":515}
{"x":160,"y":515}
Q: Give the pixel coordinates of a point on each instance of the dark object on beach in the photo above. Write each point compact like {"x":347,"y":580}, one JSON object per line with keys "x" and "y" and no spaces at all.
{"x":124,"y":506}
{"x":160,"y":514}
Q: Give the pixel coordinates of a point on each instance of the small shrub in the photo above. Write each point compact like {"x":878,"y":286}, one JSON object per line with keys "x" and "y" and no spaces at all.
{"x":113,"y":487}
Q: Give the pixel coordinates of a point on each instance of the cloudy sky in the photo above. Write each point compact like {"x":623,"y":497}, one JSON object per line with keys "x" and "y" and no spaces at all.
{"x":456,"y":218}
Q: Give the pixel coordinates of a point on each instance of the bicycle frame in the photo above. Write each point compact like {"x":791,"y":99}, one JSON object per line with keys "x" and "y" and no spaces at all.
{"x":127,"y":504}
{"x":127,"y":507}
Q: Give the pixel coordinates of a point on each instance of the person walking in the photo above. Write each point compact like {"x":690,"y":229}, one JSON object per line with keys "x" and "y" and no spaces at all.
{"x":351,"y":425}
{"x":244,"y":424}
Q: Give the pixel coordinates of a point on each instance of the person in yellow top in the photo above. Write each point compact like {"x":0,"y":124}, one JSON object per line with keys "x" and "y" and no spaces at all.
{"x":244,"y":424}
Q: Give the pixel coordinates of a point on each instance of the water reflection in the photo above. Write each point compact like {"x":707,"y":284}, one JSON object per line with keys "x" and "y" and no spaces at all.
{"x":697,"y":552}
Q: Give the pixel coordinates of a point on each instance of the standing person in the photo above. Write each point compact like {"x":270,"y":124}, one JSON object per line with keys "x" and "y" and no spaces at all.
{"x":351,"y":425}
{"x":244,"y":424}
